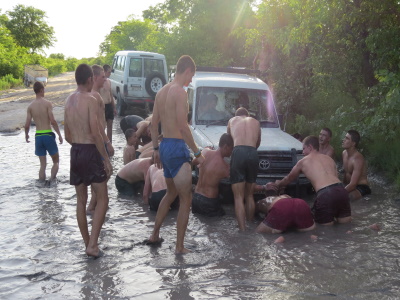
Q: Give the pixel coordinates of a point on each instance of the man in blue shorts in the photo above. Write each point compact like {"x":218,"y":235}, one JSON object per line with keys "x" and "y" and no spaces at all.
{"x":41,"y":110}
{"x":90,"y":164}
{"x":171,"y":109}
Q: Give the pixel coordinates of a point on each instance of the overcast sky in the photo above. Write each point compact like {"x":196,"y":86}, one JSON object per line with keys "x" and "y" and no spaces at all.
{"x":80,"y":26}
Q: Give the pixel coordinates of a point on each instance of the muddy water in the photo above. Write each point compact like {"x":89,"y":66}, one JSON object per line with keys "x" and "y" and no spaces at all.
{"x":42,"y":253}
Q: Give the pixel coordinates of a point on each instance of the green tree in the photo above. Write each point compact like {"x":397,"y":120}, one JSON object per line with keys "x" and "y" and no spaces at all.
{"x":29,"y":28}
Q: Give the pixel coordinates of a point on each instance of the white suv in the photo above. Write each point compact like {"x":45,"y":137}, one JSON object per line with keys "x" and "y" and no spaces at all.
{"x":214,"y":95}
{"x":136,"y":77}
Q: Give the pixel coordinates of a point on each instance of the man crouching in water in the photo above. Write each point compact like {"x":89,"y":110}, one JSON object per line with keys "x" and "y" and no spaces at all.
{"x":90,"y":164}
{"x":171,"y":109}
{"x":332,"y":200}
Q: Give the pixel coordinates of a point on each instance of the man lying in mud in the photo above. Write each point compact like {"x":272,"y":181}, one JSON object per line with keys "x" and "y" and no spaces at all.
{"x":332,"y":202}
{"x":205,"y":198}
{"x":284,"y":212}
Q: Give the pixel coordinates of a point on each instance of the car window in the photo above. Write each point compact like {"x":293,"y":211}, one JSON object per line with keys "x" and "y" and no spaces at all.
{"x":135,"y":67}
{"x":220,"y":104}
{"x":153,"y":65}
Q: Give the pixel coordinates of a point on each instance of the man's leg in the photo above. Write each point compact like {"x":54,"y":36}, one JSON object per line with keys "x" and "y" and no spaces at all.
{"x":249,"y":201}
{"x":101,"y":192}
{"x":54,"y":169}
{"x":238,"y":194}
{"x":163,"y":209}
{"x":81,"y":194}
{"x":92,"y":203}
{"x":355,"y":195}
{"x":183,"y":184}
{"x":42,"y":170}
{"x":109,"y":129}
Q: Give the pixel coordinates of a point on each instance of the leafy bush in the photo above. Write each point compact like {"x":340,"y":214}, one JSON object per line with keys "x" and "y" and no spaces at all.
{"x":8,"y":81}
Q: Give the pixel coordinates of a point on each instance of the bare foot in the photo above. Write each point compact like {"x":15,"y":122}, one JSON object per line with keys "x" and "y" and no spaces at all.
{"x":279,"y":240}
{"x":182,"y":251}
{"x":314,"y":237}
{"x":95,"y":252}
{"x":375,"y":227}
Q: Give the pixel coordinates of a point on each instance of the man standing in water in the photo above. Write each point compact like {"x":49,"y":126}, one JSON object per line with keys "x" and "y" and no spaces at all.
{"x":171,"y":109}
{"x":324,"y":143}
{"x":332,"y":200}
{"x":41,"y":110}
{"x":90,"y":164}
{"x":109,"y":102}
{"x":355,"y":167}
{"x":246,"y":134}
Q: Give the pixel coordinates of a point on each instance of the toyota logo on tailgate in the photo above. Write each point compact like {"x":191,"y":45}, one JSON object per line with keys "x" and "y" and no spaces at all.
{"x":264,"y":164}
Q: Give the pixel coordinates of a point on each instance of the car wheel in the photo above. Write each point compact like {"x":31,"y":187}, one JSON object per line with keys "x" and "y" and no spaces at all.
{"x":121,"y":105}
{"x":154,"y":82}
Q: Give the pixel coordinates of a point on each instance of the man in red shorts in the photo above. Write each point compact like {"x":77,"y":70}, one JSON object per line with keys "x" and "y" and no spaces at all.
{"x":90,"y":164}
{"x":332,"y":201}
{"x":283,"y":213}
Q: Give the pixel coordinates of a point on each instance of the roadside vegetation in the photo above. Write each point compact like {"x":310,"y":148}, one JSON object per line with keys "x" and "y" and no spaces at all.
{"x":333,"y":63}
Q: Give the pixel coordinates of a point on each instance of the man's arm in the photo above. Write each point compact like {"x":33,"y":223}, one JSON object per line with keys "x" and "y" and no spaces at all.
{"x":101,"y":120}
{"x":155,"y":120}
{"x":96,"y":133}
{"x":112,"y":100}
{"x":291,"y":176}
{"x":259,"y":137}
{"x":147,"y":188}
{"x":28,"y":123}
{"x":53,"y":121}
{"x":358,"y":165}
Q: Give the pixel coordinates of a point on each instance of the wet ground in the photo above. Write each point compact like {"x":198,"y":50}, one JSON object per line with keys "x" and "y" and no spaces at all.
{"x":42,"y":253}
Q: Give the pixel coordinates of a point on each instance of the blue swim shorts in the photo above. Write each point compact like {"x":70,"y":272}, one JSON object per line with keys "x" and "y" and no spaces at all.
{"x":45,"y":140}
{"x":173,"y":153}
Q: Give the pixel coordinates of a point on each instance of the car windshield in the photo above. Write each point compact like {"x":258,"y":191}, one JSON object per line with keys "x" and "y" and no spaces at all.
{"x":216,"y":105}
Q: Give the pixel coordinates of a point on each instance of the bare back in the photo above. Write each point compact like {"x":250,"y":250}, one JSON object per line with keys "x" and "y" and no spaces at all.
{"x":172,"y":107}
{"x":41,"y":110}
{"x":320,"y":169}
{"x":212,"y":171}
{"x":80,"y":111}
{"x":136,"y":170}
{"x":157,"y":179}
{"x":245,"y":131}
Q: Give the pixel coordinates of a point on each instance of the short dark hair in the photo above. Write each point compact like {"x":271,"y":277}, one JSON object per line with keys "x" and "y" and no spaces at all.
{"x":184,"y":62}
{"x":37,"y":87}
{"x":97,"y":70}
{"x":312,"y":141}
{"x":355,"y":136}
{"x":82,"y":73}
{"x":129,"y":132}
{"x":241,"y":111}
{"x":328,"y":131}
{"x":225,"y":139}
{"x":106,"y":67}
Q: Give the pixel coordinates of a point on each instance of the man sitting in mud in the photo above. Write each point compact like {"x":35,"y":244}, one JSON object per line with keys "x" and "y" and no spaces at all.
{"x":41,"y":110}
{"x":205,"y":199}
{"x":130,"y":148}
{"x":324,"y":143}
{"x":332,"y":201}
{"x":130,"y":179}
{"x":284,"y":212}
{"x":355,"y":167}
{"x":155,"y":188}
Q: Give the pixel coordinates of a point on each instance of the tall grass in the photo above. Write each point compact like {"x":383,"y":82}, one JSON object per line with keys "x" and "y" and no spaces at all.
{"x":8,"y":81}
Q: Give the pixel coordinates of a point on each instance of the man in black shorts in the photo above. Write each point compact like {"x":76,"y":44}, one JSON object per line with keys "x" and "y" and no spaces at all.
{"x":109,"y":102}
{"x":90,"y":164}
{"x":246,"y":134}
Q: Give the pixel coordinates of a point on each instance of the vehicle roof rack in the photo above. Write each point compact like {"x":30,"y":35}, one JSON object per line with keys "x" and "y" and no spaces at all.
{"x":235,"y":70}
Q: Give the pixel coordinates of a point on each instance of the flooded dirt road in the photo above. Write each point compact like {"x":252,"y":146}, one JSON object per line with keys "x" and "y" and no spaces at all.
{"x":42,"y":253}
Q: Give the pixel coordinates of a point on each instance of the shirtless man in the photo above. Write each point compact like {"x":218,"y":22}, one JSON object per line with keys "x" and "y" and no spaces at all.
{"x":205,"y":199}
{"x":324,"y":143}
{"x":332,"y":200}
{"x":90,"y":164}
{"x":130,"y":148}
{"x":109,"y":102}
{"x":355,"y":167}
{"x":246,"y":134}
{"x":155,"y":188}
{"x":130,"y":178}
{"x":284,"y":212}
{"x":171,"y":109}
{"x":41,"y":110}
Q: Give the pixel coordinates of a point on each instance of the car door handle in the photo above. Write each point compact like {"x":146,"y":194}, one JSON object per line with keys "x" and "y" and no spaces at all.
{"x":122,"y":81}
